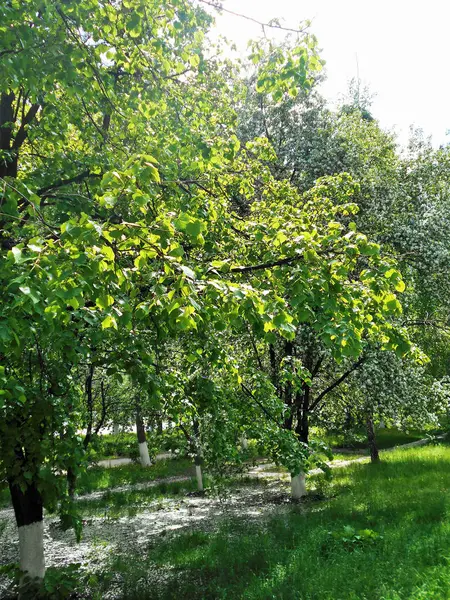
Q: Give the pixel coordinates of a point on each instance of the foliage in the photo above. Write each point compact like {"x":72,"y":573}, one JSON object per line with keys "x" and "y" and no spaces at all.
{"x":114,"y":236}
{"x":351,"y":539}
{"x":58,"y":583}
{"x":121,"y":445}
{"x":158,"y":253}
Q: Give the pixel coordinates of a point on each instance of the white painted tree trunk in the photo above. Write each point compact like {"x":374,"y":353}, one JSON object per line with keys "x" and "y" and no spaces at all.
{"x":298,"y":486}
{"x":31,"y":547}
{"x":244,"y":442}
{"x":143,"y":453}
{"x":199,"y":474}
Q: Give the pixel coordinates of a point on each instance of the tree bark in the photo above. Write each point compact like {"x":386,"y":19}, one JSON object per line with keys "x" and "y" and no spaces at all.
{"x":303,"y":403}
{"x":298,"y":486}
{"x":243,"y":441}
{"x":28,"y":510}
{"x":374,"y":455}
{"x":8,"y":167}
{"x":142,"y":440}
{"x":71,"y":482}
{"x":198,"y":472}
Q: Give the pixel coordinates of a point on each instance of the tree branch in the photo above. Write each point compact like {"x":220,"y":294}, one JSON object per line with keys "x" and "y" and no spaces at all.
{"x":219,"y":7}
{"x":261,"y":406}
{"x":62,"y":182}
{"x":262,"y":266}
{"x":337,"y":382}
{"x":22,"y":134}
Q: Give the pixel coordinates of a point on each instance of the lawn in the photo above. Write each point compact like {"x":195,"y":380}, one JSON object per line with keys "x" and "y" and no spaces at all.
{"x":103,"y":478}
{"x":382,"y":532}
{"x":357,"y":441}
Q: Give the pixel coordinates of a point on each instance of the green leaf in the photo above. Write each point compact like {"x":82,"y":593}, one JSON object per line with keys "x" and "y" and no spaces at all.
{"x":188,"y":272}
{"x":104,"y":302}
{"x":17,"y":253}
{"x":109,"y":322}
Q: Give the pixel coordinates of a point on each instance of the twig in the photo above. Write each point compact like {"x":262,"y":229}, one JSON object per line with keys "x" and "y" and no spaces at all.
{"x":260,"y":23}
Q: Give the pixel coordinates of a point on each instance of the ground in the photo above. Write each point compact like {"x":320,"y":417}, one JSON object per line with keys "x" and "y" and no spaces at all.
{"x":373,"y":533}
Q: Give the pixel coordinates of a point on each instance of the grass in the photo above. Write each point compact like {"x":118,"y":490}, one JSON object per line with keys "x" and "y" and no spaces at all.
{"x":114,"y":505}
{"x":312,"y":551}
{"x":386,"y":438}
{"x":104,"y":478}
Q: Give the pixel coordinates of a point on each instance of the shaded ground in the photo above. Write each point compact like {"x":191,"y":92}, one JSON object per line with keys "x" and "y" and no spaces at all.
{"x":103,"y":537}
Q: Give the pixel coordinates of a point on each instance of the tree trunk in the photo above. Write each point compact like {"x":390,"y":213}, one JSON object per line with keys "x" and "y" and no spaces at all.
{"x":302,"y":429}
{"x":298,"y":486}
{"x":244,"y":442}
{"x":115,"y":429}
{"x":374,"y":456}
{"x":198,"y":472}
{"x":8,"y":166}
{"x":71,"y":482}
{"x":142,"y":440}
{"x":28,"y":509}
{"x":273,"y":366}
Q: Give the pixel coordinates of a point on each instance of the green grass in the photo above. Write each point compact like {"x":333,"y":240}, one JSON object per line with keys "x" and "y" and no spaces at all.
{"x":104,"y":478}
{"x":386,"y":438}
{"x":304,"y":553}
{"x":114,"y":505}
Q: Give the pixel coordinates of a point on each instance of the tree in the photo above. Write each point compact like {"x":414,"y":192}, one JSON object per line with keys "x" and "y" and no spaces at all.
{"x":106,"y":231}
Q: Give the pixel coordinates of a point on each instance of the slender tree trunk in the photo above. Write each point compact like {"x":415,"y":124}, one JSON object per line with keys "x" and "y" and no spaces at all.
{"x":273,"y":366}
{"x":243,"y":441}
{"x":303,"y":403}
{"x":198,"y":472}
{"x":8,"y":166}
{"x":298,"y":486}
{"x":195,"y":442}
{"x":374,"y":455}
{"x":142,"y":440}
{"x":28,"y":509}
{"x":71,"y":482}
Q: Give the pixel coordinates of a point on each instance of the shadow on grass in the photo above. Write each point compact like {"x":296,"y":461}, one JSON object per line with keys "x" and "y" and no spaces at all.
{"x":130,"y":502}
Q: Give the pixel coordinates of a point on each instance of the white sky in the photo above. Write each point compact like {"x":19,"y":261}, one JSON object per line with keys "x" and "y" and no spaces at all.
{"x":403,"y":51}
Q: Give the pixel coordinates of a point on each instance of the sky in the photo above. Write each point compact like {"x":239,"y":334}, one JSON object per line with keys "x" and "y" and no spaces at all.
{"x":400,"y":48}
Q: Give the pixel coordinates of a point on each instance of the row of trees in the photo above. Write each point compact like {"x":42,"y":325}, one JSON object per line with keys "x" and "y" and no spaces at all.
{"x":220,"y":250}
